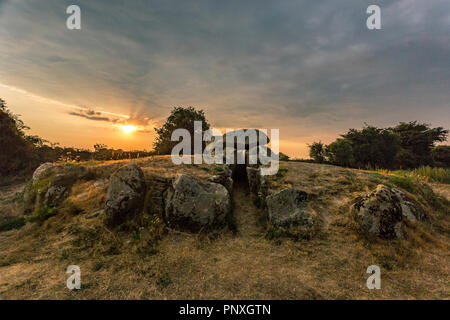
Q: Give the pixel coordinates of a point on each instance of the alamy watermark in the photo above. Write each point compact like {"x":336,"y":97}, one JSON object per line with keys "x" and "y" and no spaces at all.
{"x":73,"y":22}
{"x":374,"y":281}
{"x":74,"y":281}
{"x":373,"y":22}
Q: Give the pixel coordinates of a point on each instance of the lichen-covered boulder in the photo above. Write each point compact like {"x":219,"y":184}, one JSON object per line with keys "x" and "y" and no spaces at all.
{"x":40,"y":170}
{"x":289,"y":207}
{"x":382,"y":212}
{"x":193,"y":205}
{"x":55,"y":195}
{"x":50,"y":186}
{"x":125,"y":195}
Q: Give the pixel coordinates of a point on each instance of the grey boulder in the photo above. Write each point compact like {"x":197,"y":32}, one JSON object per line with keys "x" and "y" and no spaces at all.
{"x":193,"y":205}
{"x":383,"y":211}
{"x":289,"y":207}
{"x":125,"y":195}
{"x":40,"y":170}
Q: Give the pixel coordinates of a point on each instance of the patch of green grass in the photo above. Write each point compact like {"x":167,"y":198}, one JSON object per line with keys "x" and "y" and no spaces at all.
{"x":13,"y":223}
{"x":425,"y":173}
{"x":41,"y":186}
{"x":42,"y":214}
{"x":218,"y":169}
{"x":403,"y":183}
{"x":441,"y":175}
{"x":70,"y":164}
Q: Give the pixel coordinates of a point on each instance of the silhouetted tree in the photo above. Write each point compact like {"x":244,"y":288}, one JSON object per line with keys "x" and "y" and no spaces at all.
{"x":317,"y":152}
{"x":283,"y":157}
{"x":441,"y":156}
{"x":340,"y":153}
{"x":16,"y":149}
{"x":373,"y":147}
{"x":179,"y":118}
{"x":417,"y":140}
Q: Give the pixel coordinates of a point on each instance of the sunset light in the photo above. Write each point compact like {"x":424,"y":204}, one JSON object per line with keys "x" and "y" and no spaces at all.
{"x":128,"y":128}
{"x":225,"y":159}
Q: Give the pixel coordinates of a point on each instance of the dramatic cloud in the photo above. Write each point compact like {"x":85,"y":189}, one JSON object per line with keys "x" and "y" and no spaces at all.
{"x":141,"y":124}
{"x":91,"y":115}
{"x":310,"y":68}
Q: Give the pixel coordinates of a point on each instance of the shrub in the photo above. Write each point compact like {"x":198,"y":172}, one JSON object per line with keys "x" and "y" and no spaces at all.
{"x":317,"y":152}
{"x":441,"y":156}
{"x":340,"y":153}
{"x":283,"y":157}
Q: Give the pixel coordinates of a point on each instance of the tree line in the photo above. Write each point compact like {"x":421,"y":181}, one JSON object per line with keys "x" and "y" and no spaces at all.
{"x":22,"y":153}
{"x":407,"y":145}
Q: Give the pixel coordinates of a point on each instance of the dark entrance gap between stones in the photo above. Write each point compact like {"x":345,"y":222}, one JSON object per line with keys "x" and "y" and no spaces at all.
{"x":240,"y":178}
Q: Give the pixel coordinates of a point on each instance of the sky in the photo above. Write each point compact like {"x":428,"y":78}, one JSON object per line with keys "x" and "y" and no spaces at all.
{"x":311,"y":69}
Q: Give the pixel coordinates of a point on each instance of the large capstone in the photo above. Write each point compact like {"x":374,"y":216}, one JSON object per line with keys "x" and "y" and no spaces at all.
{"x":125,"y":196}
{"x":382,"y":212}
{"x":193,"y":205}
{"x":289,"y":207}
{"x":248,"y":138}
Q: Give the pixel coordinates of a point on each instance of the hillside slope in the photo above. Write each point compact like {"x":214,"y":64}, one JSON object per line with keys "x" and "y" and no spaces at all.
{"x":251,"y":260}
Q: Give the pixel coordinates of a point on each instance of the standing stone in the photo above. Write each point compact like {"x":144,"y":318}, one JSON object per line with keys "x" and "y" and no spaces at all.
{"x":125,"y":195}
{"x":50,"y":189}
{"x":40,"y":170}
{"x":193,"y":205}
{"x":254,"y":179}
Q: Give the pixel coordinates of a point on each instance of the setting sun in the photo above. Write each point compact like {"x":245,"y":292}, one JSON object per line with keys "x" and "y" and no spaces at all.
{"x":128,"y":128}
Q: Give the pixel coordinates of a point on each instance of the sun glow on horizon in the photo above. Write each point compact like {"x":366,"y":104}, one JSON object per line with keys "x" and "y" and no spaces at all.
{"x":128,"y":128}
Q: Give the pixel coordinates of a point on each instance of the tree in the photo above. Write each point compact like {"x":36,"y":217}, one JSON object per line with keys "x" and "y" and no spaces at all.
{"x":373,"y":147}
{"x":180,"y":118}
{"x":16,"y":149}
{"x":340,"y":153}
{"x":417,"y":141}
{"x":441,"y":156}
{"x":317,"y":152}
{"x":283,"y":157}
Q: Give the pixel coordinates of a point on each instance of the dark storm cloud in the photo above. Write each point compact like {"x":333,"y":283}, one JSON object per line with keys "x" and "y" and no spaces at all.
{"x":252,"y":60}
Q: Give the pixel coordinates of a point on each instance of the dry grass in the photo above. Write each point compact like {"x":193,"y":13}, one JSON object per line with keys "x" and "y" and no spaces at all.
{"x":154,"y":263}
